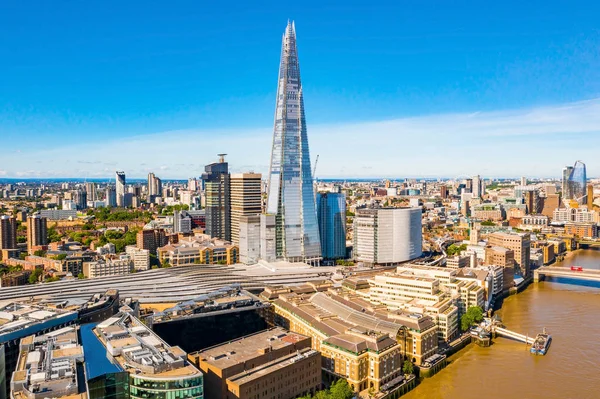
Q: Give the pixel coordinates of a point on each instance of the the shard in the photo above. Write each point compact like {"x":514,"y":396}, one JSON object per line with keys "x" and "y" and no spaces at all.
{"x":290,"y":193}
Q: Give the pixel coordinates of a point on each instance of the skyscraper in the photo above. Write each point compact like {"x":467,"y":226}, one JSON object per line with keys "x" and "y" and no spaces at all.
{"x":578,"y":183}
{"x":154,"y":186}
{"x":218,"y":199}
{"x":290,"y":193}
{"x":331,"y":214}
{"x":566,"y":173}
{"x":245,"y":199}
{"x":120,"y":185}
{"x":476,"y":186}
{"x":90,"y":189}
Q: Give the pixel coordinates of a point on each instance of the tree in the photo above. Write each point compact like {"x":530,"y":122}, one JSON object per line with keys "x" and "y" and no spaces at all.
{"x":341,"y":390}
{"x":407,"y":367}
{"x":455,"y":249}
{"x":81,"y":276}
{"x":34,"y":277}
{"x":39,"y":252}
{"x":473,"y":315}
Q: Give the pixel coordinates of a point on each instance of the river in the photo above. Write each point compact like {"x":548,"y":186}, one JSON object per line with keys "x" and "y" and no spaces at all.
{"x":571,"y":369}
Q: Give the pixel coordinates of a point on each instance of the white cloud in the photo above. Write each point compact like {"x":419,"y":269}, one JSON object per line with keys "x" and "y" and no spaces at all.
{"x":532,"y":142}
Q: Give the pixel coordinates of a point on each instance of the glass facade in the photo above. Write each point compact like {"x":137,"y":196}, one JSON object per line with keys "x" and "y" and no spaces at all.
{"x":190,"y":388}
{"x":577,"y":187}
{"x":290,"y":194}
{"x":331,"y":214}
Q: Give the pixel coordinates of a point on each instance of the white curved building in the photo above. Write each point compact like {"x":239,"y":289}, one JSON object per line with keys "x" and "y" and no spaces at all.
{"x":387,"y":235}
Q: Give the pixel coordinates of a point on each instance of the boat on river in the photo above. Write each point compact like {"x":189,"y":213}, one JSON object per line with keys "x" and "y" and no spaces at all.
{"x":541,"y":344}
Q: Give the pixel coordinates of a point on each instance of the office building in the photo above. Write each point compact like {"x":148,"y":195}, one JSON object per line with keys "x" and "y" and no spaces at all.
{"x":249,"y":239}
{"x":155,"y":369}
{"x":92,"y":192}
{"x":182,"y":222}
{"x":58,"y":214}
{"x":458,"y":261}
{"x":590,"y":196}
{"x":550,"y":203}
{"x":504,"y":257}
{"x":290,"y":194}
{"x":111,"y":197}
{"x":19,"y":320}
{"x":582,"y":230}
{"x":217,"y":187}
{"x":8,"y":232}
{"x":488,"y":211}
{"x":199,"y":250}
{"x":245,"y":199}
{"x":387,"y":235}
{"x":37,"y":232}
{"x":575,"y":185}
{"x":109,"y":266}
{"x":476,"y":186}
{"x":48,"y":366}
{"x":566,"y":174}
{"x":331,"y":215}
{"x":575,"y":215}
{"x":139,"y":257}
{"x":120,"y":188}
{"x":359,"y":342}
{"x":520,"y":243}
{"x":444,"y":192}
{"x":268,"y":237}
{"x":273,"y":363}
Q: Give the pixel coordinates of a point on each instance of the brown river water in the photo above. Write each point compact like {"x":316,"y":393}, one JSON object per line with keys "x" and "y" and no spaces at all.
{"x":570,"y":311}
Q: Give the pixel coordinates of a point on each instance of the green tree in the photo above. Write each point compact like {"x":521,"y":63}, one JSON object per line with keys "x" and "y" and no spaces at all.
{"x":34,"y":277}
{"x":40,"y":252}
{"x":473,"y":315}
{"x":60,"y":256}
{"x":53,"y":235}
{"x":81,"y":276}
{"x":341,"y":390}
{"x":407,"y":367}
{"x":52,"y":279}
{"x":455,"y":249}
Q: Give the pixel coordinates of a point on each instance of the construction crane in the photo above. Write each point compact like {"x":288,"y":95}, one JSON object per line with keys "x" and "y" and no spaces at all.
{"x":315,"y":168}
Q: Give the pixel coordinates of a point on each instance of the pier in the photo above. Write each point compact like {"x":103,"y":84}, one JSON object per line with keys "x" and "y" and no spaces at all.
{"x":566,"y":272}
{"x":494,"y":328}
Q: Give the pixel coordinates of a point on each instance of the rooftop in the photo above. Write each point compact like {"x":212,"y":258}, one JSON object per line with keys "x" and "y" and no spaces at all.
{"x":250,"y":347}
{"x":17,"y":316}
{"x":47,"y":366}
{"x":139,"y":351}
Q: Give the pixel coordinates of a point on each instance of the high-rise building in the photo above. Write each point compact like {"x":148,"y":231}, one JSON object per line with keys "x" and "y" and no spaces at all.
{"x":193,"y":184}
{"x":444,"y":192}
{"x":8,"y":232}
{"x":476,"y":186}
{"x":590,"y":196}
{"x":217,"y":188}
{"x":154,"y":186}
{"x":578,"y":184}
{"x":90,"y":189}
{"x":120,"y":187}
{"x":111,"y":197}
{"x":290,"y":193}
{"x":80,"y":197}
{"x":566,"y":173}
{"x":151,"y":239}
{"x":550,"y":203}
{"x":37,"y":232}
{"x":182,"y":222}
{"x":523,"y":181}
{"x":387,"y":235}
{"x":249,"y":239}
{"x":331,"y":214}
{"x":519,"y":243}
{"x":245,"y":199}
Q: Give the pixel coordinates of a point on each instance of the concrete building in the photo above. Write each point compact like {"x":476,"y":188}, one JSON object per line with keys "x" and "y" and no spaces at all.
{"x":582,"y":230}
{"x":107,"y":267}
{"x":8,"y":232}
{"x":505,"y":258}
{"x":154,"y":187}
{"x":218,"y":199}
{"x":520,"y":243}
{"x":37,"y":232}
{"x":182,"y":222}
{"x":268,"y":238}
{"x":272,"y":363}
{"x":358,"y":341}
{"x":110,"y":197}
{"x":331,"y":216}
{"x":139,"y":257}
{"x":547,"y":250}
{"x":92,"y":192}
{"x":458,"y":261}
{"x":249,"y":238}
{"x":151,"y":239}
{"x":48,"y":367}
{"x":155,"y":369}
{"x":199,"y":250}
{"x":120,"y":188}
{"x":387,"y":235}
{"x":486,"y":211}
{"x":58,"y":214}
{"x":246,"y":200}
{"x":574,"y":215}
{"x":550,"y":203}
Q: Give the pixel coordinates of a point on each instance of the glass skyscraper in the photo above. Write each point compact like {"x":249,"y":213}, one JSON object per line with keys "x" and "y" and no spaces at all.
{"x":577,"y":186}
{"x":331,"y":214}
{"x":290,"y":194}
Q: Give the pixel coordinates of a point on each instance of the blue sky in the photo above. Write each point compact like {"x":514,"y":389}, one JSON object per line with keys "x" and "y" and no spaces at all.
{"x":398,"y":88}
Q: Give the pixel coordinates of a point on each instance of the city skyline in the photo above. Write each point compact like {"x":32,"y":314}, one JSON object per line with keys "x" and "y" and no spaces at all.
{"x":527,"y":84}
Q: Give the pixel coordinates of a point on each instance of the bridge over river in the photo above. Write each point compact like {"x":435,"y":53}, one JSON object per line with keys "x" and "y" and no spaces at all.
{"x":566,"y":272}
